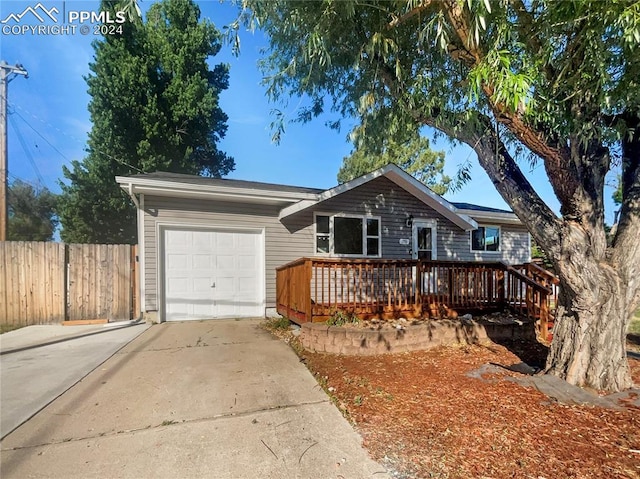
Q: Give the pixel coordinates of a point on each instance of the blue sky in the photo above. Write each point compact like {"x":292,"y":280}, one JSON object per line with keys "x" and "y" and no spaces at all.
{"x":49,"y":121}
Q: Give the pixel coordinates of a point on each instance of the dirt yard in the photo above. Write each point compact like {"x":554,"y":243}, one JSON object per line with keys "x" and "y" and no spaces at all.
{"x":422,"y":416}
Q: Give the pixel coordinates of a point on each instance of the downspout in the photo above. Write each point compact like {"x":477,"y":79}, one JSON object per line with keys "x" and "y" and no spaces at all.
{"x":133,"y":196}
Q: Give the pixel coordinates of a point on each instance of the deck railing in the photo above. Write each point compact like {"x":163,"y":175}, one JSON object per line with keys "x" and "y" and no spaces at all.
{"x":312,"y":289}
{"x":550,"y":281}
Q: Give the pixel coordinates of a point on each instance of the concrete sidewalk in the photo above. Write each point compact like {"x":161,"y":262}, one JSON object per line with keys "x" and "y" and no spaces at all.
{"x":39,"y":363}
{"x":217,"y":399}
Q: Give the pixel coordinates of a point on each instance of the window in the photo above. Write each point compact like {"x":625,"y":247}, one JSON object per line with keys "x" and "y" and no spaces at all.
{"x":485,"y":238}
{"x":322,"y":234}
{"x":348,"y":235}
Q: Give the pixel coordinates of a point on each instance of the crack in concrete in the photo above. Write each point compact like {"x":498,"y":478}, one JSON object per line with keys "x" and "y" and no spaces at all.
{"x":188,"y":346}
{"x":173,"y":423}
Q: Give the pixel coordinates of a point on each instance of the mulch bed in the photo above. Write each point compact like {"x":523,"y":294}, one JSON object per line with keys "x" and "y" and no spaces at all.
{"x":421,"y":415}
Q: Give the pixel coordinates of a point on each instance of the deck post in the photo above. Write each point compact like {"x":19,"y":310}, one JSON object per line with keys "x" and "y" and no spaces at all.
{"x":418,"y":292}
{"x":289,"y":284}
{"x":500,"y":279}
{"x":451,"y":284}
{"x":307,"y":286}
{"x":544,"y":316}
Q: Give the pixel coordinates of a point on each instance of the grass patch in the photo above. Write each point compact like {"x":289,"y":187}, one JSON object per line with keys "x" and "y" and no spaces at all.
{"x":277,"y":324}
{"x":5,"y":328}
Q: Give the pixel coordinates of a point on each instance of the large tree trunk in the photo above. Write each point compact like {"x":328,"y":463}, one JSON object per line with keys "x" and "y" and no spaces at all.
{"x":589,"y":347}
{"x":589,"y":335}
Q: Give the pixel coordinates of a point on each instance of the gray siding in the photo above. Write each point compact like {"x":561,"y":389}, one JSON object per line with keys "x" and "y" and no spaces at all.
{"x":382,"y":197}
{"x":294,"y":237}
{"x":282,"y":243}
{"x":514,"y":245}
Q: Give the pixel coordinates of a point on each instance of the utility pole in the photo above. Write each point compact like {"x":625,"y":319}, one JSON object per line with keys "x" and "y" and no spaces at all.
{"x":7,"y":73}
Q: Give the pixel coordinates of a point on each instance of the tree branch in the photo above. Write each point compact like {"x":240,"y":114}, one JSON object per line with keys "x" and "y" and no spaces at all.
{"x":502,"y":169}
{"x":455,"y":11}
{"x":513,"y":186}
{"x":397,"y":21}
{"x":529,"y":36}
{"x":625,"y":246}
{"x":564,"y":180}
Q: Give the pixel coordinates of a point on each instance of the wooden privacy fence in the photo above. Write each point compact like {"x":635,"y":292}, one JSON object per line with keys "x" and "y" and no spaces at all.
{"x":45,"y":283}
{"x":312,"y":289}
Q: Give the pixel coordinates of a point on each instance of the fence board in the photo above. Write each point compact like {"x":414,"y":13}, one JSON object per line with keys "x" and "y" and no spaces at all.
{"x":45,"y":283}
{"x":100,"y":282}
{"x":29,"y":286}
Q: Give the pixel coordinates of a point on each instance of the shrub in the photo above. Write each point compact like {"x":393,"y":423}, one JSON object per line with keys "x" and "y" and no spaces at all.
{"x":340,"y":318}
{"x":278,"y":323}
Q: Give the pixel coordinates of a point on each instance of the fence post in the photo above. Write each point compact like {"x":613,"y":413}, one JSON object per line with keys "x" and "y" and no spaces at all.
{"x":65,"y":285}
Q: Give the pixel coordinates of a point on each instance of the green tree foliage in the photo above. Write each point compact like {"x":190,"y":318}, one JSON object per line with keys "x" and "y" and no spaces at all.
{"x":519,"y":82}
{"x":154,"y":107}
{"x":31,"y":213}
{"x":538,"y":254}
{"x":414,"y":156}
{"x":617,"y":195}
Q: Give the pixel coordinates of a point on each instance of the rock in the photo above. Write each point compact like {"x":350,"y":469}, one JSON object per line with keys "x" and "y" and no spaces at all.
{"x":467,"y":316}
{"x":522,"y":368}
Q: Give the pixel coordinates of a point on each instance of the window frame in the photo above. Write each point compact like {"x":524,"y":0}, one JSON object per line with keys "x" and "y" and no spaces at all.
{"x":485,"y":250}
{"x":365,"y":235}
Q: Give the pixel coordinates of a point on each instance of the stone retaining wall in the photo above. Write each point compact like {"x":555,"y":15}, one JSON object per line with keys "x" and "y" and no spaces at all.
{"x":319,"y":337}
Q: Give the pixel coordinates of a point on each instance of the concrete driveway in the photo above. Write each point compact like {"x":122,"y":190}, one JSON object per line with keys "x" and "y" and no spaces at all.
{"x":38,"y":363}
{"x":220,"y":399}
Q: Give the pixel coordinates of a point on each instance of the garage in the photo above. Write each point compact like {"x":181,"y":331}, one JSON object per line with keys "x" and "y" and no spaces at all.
{"x":213,"y":274}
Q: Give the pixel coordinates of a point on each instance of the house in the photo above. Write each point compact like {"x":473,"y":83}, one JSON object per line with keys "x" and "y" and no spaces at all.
{"x":209,"y":247}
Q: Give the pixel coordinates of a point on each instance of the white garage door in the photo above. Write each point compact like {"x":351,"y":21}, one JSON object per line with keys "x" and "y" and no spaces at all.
{"x":212,"y":274}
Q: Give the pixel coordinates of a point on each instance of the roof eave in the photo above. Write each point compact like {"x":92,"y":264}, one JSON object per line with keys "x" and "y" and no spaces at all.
{"x":184,"y":190}
{"x":484,"y":216}
{"x":402,"y":179}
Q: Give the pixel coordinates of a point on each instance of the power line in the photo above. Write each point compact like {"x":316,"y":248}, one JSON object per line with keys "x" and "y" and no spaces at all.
{"x":26,"y":150}
{"x":41,"y":135}
{"x":47,"y":124}
{"x":122,"y":162}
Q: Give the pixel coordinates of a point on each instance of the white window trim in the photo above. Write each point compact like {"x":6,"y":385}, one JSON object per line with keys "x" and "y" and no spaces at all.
{"x":364,"y":219}
{"x":484,"y":251}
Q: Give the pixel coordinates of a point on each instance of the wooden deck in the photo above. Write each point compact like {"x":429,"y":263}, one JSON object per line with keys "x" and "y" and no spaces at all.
{"x":312,"y":289}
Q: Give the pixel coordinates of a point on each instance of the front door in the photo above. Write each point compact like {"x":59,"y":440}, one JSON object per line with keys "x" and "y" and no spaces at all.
{"x":424,"y":240}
